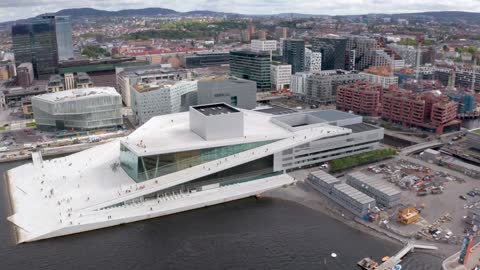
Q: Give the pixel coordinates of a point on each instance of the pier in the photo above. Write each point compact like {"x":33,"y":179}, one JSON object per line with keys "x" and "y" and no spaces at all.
{"x":392,"y":261}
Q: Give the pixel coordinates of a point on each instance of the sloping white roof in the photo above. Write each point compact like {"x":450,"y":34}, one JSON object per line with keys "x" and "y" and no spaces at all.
{"x":171,"y":133}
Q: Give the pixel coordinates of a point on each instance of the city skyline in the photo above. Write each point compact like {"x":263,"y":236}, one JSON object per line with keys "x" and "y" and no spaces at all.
{"x":14,"y":10}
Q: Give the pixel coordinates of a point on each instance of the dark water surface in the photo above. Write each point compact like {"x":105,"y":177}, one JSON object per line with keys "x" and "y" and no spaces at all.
{"x":246,"y":234}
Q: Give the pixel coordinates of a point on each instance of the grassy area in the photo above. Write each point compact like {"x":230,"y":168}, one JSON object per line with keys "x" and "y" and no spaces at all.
{"x":476,"y":131}
{"x":360,"y":159}
{"x":31,"y":124}
{"x":3,"y":128}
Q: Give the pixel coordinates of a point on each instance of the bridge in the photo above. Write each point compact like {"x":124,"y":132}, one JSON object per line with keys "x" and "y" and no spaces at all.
{"x":390,"y":263}
{"x":420,"y":147}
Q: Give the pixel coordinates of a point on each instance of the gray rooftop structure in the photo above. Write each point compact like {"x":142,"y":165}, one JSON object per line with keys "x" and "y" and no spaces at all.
{"x":353,"y":193}
{"x":384,"y":193}
{"x":325,"y":177}
{"x":333,"y":115}
{"x":215,"y":109}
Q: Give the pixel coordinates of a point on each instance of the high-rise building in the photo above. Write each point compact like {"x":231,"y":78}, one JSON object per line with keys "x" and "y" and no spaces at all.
{"x":43,"y":42}
{"x":25,"y":75}
{"x":258,"y":45}
{"x":281,"y":76}
{"x":63,"y":28}
{"x":294,"y":54}
{"x":254,"y":66}
{"x":333,"y":50}
{"x":262,"y":34}
{"x":313,"y":61}
{"x":358,"y":50}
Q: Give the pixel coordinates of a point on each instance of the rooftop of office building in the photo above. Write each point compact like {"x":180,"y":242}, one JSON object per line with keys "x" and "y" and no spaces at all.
{"x":76,"y":94}
{"x":157,"y":85}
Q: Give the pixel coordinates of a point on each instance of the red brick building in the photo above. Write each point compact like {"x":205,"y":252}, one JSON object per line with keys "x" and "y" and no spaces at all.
{"x":360,"y":97}
{"x":426,"y":110}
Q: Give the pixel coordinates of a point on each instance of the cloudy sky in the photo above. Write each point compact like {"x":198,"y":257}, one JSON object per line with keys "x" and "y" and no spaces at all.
{"x":19,"y":9}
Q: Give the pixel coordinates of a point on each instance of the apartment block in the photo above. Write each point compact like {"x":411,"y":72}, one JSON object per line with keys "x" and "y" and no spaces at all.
{"x":360,"y":97}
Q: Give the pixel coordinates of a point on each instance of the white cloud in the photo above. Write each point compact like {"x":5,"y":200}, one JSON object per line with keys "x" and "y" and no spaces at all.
{"x":18,"y":9}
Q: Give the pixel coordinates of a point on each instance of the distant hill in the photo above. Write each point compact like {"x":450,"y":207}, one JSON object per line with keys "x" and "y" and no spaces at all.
{"x":443,"y":16}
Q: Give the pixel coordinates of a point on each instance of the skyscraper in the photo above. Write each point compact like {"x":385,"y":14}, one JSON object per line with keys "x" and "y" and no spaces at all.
{"x":294,"y":54}
{"x":254,"y":66}
{"x":43,"y":42}
{"x":333,"y":51}
{"x":63,"y":28}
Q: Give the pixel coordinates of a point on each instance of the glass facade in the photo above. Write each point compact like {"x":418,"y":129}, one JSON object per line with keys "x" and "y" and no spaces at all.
{"x":294,"y":54}
{"x":148,"y":167}
{"x":36,"y":43}
{"x":333,"y":52}
{"x":254,"y":66}
{"x":64,"y":37}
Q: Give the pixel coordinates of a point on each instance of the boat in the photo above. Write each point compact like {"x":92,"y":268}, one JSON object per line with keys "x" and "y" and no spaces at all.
{"x":367,"y":263}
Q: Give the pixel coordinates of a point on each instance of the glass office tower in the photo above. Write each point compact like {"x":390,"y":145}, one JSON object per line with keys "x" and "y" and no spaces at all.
{"x":333,"y":51}
{"x":43,"y":42}
{"x":64,"y":37}
{"x":254,"y":66}
{"x":294,"y":54}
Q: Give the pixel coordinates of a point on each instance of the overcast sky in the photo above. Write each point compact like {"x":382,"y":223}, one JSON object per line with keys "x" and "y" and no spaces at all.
{"x":20,"y":9}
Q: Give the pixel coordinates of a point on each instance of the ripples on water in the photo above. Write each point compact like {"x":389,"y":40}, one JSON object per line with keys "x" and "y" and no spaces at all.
{"x":246,"y":234}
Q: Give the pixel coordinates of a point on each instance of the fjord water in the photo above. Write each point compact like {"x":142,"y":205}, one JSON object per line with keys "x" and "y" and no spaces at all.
{"x":246,"y":234}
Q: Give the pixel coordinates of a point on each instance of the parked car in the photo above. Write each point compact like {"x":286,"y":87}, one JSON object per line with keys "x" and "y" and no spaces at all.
{"x":472,"y":193}
{"x":448,"y":235}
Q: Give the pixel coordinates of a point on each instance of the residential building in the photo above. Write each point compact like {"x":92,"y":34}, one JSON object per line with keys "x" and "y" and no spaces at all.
{"x":80,"y":109}
{"x":254,"y":66}
{"x":384,"y":193}
{"x":43,"y":42}
{"x":299,"y":83}
{"x":281,"y":75}
{"x":25,"y":75}
{"x":236,"y":92}
{"x":294,"y":54}
{"x":313,"y":61}
{"x":322,"y":86}
{"x":361,"y":98}
{"x":358,"y":50}
{"x":258,"y":45}
{"x":178,"y":162}
{"x":206,"y":59}
{"x":128,"y":76}
{"x":425,"y":110}
{"x":333,"y":50}
{"x":162,"y":97}
{"x":380,"y":75}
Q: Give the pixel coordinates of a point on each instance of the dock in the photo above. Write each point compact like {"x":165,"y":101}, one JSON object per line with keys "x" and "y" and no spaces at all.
{"x":394,"y":260}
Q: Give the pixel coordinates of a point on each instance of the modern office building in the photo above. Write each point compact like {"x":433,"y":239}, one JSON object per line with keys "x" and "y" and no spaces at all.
{"x":79,"y":109}
{"x":294,"y":54}
{"x":427,"y":110}
{"x":350,"y":198}
{"x":43,"y":42}
{"x":383,"y":192}
{"x":333,"y":50}
{"x":236,"y":92}
{"x":206,"y":59}
{"x":63,"y":29}
{"x":254,"y":66}
{"x":69,"y":81}
{"x":322,"y":86}
{"x":129,"y":76}
{"x":25,"y":75}
{"x":162,"y":97}
{"x":259,"y":45}
{"x":361,"y":98}
{"x":313,"y":61}
{"x":281,"y":75}
{"x":178,"y":162}
{"x":359,"y":50}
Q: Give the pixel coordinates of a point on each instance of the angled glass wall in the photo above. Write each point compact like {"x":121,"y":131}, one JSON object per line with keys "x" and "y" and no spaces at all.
{"x":148,"y":167}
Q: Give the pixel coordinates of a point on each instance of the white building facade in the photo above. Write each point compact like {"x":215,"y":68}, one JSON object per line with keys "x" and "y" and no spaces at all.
{"x":313,"y":61}
{"x":258,"y":45}
{"x":281,"y":76}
